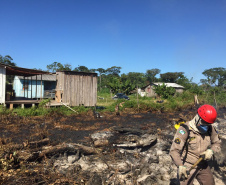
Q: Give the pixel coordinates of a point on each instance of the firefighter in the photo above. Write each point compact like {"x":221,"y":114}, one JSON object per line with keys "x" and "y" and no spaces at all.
{"x":193,"y":139}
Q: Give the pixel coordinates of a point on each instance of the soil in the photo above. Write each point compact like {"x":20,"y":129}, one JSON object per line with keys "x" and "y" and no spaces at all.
{"x":16,"y":130}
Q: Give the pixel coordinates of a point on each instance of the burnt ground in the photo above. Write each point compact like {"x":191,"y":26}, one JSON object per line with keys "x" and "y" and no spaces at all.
{"x":76,"y":128}
{"x":15,"y":130}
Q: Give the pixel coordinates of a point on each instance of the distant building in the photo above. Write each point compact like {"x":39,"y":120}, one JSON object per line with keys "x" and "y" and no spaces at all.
{"x":150,"y":92}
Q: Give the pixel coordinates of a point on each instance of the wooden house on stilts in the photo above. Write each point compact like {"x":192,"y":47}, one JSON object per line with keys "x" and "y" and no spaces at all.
{"x":71,"y":88}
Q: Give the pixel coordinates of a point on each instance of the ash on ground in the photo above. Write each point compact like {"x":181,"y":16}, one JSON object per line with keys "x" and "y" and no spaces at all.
{"x":130,"y":149}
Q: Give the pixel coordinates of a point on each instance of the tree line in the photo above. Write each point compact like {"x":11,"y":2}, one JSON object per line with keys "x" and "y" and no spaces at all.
{"x":111,"y":78}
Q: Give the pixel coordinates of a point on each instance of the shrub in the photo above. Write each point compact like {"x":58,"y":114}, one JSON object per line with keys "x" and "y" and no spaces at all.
{"x":164,"y":91}
{"x":195,"y":89}
{"x":4,"y":110}
{"x":44,"y":102}
{"x":26,"y":111}
{"x":130,"y":104}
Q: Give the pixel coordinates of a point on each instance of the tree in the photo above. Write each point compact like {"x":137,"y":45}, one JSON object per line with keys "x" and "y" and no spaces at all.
{"x":171,"y":77}
{"x":113,"y":71}
{"x":127,"y":86}
{"x":118,"y":86}
{"x":82,"y":69}
{"x":136,"y":79}
{"x":215,"y":76}
{"x":110,"y":73}
{"x":115,"y":85}
{"x":204,"y":82}
{"x":195,"y":89}
{"x":92,"y":70}
{"x":176,"y":77}
{"x":7,"y":60}
{"x":56,"y":66}
{"x":65,"y":67}
{"x":101,"y":71}
{"x":222,"y":79}
{"x":184,"y":81}
{"x":151,"y":73}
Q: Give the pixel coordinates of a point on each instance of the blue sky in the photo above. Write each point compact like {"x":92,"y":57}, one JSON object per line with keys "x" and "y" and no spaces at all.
{"x":172,"y":35}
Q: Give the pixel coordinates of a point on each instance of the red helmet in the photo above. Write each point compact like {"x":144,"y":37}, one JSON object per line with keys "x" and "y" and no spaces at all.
{"x":208,"y":113}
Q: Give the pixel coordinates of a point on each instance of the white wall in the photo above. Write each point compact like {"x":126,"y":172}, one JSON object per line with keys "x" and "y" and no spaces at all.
{"x":2,"y":84}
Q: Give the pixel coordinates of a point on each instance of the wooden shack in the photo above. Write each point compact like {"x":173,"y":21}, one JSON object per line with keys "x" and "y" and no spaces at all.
{"x":76,"y":88}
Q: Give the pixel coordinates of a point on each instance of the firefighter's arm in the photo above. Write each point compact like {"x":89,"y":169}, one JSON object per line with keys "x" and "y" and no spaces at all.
{"x":178,"y":145}
{"x":215,"y":141}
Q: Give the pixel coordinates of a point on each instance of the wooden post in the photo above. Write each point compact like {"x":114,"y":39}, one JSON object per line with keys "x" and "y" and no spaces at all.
{"x":137,"y":100}
{"x":11,"y":106}
{"x":41,"y":88}
{"x":27,"y":86}
{"x":196,"y":100}
{"x":36,"y":88}
{"x":24,"y":86}
{"x":117,"y":110}
{"x":31,"y":87}
{"x":22,"y":106}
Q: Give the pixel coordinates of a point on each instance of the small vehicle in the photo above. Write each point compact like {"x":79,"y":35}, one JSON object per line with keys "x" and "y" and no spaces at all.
{"x":120,"y":96}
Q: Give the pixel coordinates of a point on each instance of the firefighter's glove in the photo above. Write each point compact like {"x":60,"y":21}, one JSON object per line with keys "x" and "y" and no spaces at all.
{"x":207,"y":154}
{"x":182,"y":173}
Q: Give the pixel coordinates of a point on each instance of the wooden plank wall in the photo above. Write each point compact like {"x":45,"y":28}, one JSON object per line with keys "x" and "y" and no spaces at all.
{"x":78,"y":89}
{"x":59,"y":86}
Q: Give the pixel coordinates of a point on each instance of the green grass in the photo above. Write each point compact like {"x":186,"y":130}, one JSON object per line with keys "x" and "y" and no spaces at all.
{"x":135,"y":104}
{"x":177,"y":102}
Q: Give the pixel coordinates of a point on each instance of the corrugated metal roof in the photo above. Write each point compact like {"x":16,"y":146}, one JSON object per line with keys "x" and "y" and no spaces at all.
{"x":44,"y":77}
{"x":14,"y":70}
{"x":77,"y":73}
{"x":175,"y":85}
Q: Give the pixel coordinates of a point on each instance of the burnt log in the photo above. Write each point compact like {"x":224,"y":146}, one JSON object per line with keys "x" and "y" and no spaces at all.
{"x":124,"y":130}
{"x":143,"y":141}
{"x":37,"y":144}
{"x":101,"y":142}
{"x":48,"y":151}
{"x":62,"y":148}
{"x":28,"y":156}
{"x":11,"y":147}
{"x":86,"y":150}
{"x":53,"y":150}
